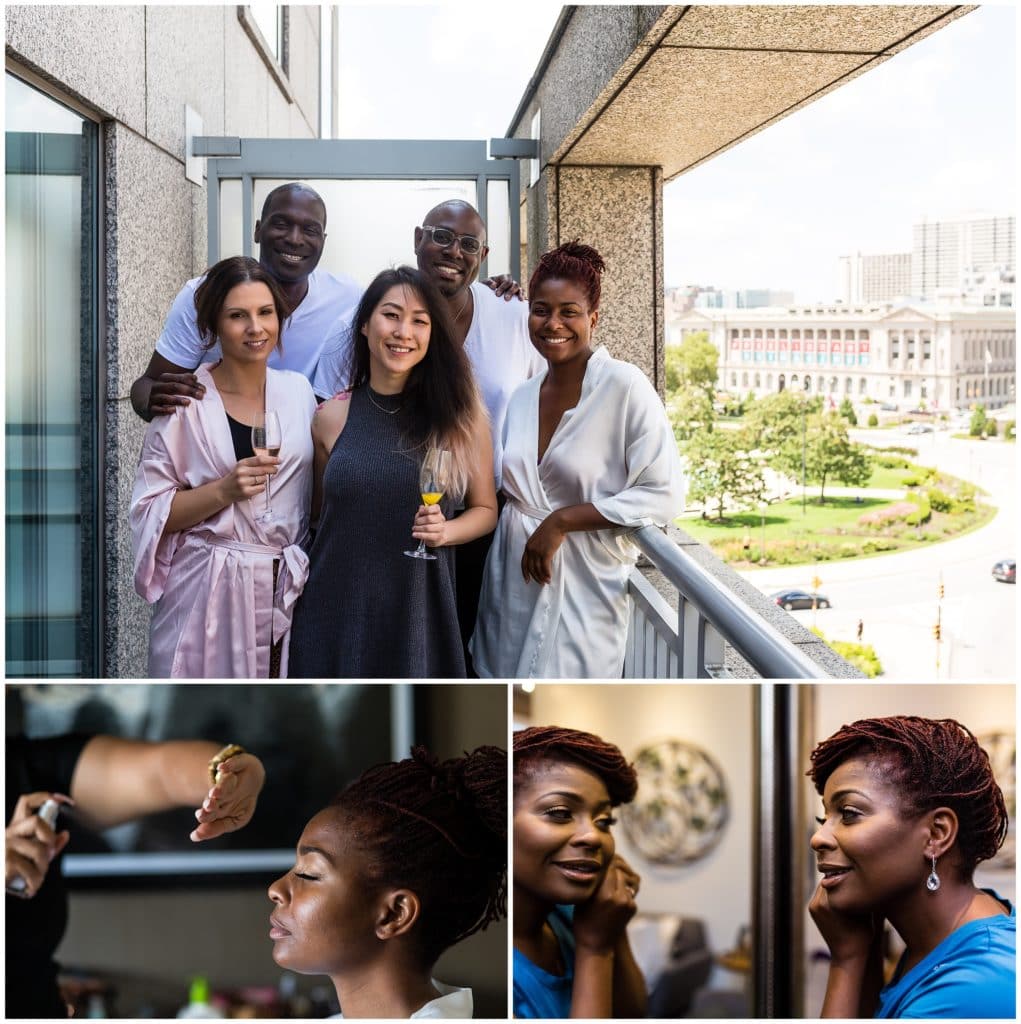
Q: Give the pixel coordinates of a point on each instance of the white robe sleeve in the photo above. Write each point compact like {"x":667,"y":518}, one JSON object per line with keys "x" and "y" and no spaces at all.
{"x":654,"y":490}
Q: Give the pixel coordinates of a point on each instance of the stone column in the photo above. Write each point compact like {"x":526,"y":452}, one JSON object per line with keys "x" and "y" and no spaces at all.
{"x":618,"y":211}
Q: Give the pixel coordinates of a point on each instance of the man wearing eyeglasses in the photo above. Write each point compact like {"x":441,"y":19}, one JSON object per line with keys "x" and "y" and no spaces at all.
{"x":450,"y":247}
{"x":291,"y":233}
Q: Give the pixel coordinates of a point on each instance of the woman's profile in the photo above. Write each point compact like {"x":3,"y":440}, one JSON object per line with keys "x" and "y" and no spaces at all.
{"x":573,"y":893}
{"x":910,"y":807}
{"x":408,"y":860}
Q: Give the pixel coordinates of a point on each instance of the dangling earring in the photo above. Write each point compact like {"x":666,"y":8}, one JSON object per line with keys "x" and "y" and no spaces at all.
{"x":932,"y":883}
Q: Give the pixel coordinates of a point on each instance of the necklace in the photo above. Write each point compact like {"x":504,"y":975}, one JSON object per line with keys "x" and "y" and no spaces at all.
{"x":381,"y":408}
{"x":464,"y":305}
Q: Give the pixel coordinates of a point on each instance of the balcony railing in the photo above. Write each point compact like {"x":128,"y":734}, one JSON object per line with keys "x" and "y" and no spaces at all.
{"x":690,"y":642}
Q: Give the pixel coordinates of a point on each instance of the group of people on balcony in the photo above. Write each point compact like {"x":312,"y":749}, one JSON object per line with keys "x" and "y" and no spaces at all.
{"x":269,"y":556}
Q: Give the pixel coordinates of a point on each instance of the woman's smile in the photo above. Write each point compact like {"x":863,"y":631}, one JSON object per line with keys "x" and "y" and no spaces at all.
{"x":562,"y":840}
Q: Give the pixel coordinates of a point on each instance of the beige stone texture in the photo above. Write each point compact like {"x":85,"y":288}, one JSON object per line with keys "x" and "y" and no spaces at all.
{"x":87,"y":50}
{"x":614,"y":210}
{"x":817,"y":27}
{"x":184,"y":65}
{"x":152,"y":260}
{"x":725,"y":95}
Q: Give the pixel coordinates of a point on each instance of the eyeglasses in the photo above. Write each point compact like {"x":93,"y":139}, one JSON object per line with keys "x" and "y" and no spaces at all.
{"x":444,"y":237}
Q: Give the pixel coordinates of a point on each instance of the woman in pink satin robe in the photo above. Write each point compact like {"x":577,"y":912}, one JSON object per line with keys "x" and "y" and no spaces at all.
{"x":222,"y":581}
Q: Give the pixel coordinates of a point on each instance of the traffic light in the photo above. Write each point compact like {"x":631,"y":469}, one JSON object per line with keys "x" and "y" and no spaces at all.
{"x":939,"y":591}
{"x":936,"y":631}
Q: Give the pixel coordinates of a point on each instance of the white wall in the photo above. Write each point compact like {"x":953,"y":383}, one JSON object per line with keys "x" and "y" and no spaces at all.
{"x":716,"y":717}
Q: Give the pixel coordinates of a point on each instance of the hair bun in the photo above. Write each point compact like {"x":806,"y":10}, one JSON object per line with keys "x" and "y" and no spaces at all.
{"x":576,"y":250}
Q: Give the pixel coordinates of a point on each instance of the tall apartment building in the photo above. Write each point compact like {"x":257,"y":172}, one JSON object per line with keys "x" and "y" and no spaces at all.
{"x":944,"y":252}
{"x":879,"y":277}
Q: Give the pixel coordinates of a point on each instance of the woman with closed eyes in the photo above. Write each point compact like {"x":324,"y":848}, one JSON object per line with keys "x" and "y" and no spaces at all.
{"x":573,"y":894}
{"x":410,"y":859}
{"x":910,"y":807}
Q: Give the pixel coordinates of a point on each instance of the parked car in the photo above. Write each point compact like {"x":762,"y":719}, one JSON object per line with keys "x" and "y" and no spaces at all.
{"x":919,"y":428}
{"x":1005,"y":570}
{"x":789,"y":600}
{"x":888,"y":407}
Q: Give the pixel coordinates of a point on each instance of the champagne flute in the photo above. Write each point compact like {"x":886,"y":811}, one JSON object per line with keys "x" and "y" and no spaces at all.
{"x":433,"y":480}
{"x":266,"y":441}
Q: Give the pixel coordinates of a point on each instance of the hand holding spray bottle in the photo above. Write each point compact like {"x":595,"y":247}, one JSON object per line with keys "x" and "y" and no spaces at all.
{"x":48,"y":812}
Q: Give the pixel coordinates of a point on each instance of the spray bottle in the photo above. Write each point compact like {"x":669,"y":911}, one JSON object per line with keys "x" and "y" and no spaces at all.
{"x":48,"y":812}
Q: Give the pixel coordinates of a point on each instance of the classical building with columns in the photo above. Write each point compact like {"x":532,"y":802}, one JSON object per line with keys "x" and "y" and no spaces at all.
{"x":945,"y":357}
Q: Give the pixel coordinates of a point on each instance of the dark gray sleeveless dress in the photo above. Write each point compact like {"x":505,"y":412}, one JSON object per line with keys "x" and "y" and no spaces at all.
{"x":367,"y":610}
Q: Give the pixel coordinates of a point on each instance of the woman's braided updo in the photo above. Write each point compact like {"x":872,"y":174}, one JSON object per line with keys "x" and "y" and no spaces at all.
{"x":438,"y":828}
{"x":932,"y":763}
{"x":545,"y":744}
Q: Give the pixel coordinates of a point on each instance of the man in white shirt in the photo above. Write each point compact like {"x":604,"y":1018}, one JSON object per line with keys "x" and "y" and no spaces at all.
{"x":291,"y":233}
{"x":450,"y":247}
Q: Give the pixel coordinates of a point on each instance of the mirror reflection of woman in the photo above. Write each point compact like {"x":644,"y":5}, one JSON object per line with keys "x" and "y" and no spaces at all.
{"x":368,"y":610}
{"x":573,"y":893}
{"x":409,"y":860}
{"x":223,"y":582}
{"x":910,"y":807}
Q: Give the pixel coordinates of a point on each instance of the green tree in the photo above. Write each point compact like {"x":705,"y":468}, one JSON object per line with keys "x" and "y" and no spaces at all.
{"x":776,"y":419}
{"x":847,"y":411}
{"x":991,"y":428}
{"x":694,"y":362}
{"x":978,"y":421}
{"x":690,"y":410}
{"x":829,"y":455}
{"x":723,"y":469}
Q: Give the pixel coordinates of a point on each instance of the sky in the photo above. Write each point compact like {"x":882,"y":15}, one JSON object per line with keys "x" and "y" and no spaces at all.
{"x":928,"y":134}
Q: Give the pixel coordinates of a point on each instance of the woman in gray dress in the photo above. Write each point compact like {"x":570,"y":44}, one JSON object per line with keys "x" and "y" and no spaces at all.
{"x":368,"y":611}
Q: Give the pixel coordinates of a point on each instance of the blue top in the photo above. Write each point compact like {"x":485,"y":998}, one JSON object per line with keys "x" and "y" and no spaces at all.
{"x":537,"y":993}
{"x":971,"y":973}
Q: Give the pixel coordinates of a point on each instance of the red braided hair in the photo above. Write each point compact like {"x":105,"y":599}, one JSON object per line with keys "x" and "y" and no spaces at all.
{"x":935,"y":763}
{"x":571,"y":262}
{"x":543,"y":744}
{"x":438,"y":828}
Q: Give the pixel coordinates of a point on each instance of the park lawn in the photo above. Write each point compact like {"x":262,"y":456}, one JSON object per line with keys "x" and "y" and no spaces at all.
{"x":888,"y":479}
{"x":824,"y":533}
{"x":784,"y":519}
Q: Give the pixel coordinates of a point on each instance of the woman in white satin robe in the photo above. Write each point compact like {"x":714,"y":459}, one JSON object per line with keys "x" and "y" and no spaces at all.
{"x":224,"y":586}
{"x":589,"y":456}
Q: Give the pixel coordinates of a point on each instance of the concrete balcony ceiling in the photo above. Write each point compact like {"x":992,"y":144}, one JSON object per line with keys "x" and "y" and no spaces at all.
{"x":674,"y":86}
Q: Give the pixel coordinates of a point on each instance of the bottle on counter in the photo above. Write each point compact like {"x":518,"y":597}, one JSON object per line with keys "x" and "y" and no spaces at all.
{"x":198,"y":1002}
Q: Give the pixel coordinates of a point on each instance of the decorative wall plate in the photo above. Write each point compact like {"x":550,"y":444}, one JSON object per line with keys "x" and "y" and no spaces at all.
{"x":682,"y":805}
{"x":1002,"y":750}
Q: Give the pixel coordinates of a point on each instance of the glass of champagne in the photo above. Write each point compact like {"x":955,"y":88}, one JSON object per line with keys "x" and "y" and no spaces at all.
{"x":266,"y":441}
{"x":433,"y":480}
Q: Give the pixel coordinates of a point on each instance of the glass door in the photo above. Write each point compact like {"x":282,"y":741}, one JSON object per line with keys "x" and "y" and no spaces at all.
{"x":50,"y":387}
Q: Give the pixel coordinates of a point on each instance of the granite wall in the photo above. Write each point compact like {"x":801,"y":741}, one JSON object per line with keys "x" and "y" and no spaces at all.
{"x":134,"y":68}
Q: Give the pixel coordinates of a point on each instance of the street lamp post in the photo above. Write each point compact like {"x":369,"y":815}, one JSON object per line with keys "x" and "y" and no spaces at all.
{"x":762,"y":533}
{"x":804,"y":439}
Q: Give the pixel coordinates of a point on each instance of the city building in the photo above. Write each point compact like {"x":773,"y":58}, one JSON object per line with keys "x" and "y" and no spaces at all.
{"x":946,"y":252}
{"x":744,"y":298}
{"x":879,"y":277}
{"x":913,"y":355}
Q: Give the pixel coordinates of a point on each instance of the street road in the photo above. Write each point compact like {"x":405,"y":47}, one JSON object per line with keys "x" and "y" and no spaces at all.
{"x":895,"y":596}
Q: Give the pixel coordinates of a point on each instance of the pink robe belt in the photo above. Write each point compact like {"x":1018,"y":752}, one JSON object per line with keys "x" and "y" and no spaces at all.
{"x":291,"y":578}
